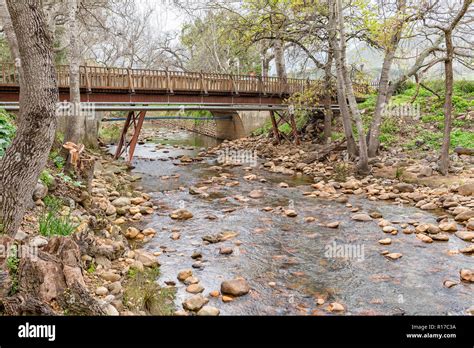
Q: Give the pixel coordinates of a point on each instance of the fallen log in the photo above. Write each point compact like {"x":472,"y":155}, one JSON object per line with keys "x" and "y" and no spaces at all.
{"x":323,"y":153}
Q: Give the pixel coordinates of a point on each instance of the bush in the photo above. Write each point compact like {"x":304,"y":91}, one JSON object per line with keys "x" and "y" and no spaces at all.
{"x":13,"y":262}
{"x":53,"y":225}
{"x":7,"y":131}
{"x":46,"y":178}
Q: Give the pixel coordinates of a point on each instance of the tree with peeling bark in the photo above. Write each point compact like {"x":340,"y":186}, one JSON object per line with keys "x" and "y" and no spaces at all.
{"x":345,"y":86}
{"x":452,"y":14}
{"x":27,"y":155}
{"x":75,"y":123}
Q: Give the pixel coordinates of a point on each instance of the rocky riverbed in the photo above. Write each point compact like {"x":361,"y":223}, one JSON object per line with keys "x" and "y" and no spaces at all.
{"x":189,"y":231}
{"x":285,"y":237}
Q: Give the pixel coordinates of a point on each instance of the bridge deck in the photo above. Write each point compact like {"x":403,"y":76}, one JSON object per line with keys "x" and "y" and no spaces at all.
{"x":102,"y":84}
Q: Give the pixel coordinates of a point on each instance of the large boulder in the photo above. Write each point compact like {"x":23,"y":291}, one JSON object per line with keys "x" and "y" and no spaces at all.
{"x":466,"y":190}
{"x":235,"y":287}
{"x":40,"y":191}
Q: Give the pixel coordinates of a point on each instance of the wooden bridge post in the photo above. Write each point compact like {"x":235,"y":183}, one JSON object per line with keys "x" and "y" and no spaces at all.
{"x":88,"y":79}
{"x":291,"y":112}
{"x":234,"y":85}
{"x":169,"y":85}
{"x":204,"y":88}
{"x":123,"y":136}
{"x":276,"y":132}
{"x":131,"y":87}
{"x":136,"y":134}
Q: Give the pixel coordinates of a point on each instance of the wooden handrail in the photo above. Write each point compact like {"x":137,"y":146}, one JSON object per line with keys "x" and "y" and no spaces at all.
{"x":171,"y":81}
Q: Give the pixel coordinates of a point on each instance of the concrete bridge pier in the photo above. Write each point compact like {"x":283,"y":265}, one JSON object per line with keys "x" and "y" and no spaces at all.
{"x":242,"y":124}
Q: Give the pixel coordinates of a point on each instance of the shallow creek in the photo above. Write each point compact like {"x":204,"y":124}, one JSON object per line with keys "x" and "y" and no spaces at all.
{"x":290,"y":263}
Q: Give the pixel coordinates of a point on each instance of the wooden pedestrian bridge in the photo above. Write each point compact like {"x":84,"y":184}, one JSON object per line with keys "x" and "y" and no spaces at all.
{"x":105,"y":84}
{"x":250,"y":100}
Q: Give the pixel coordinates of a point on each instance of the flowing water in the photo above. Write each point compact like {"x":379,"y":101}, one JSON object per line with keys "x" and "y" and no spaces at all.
{"x":301,"y":261}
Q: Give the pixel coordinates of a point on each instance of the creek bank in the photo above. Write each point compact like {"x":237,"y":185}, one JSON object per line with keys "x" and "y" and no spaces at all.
{"x":102,"y":264}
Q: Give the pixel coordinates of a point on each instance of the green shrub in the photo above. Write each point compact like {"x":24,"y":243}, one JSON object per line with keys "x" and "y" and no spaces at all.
{"x":7,"y":131}
{"x":13,"y":261}
{"x":46,"y":178}
{"x":57,"y":159}
{"x":53,"y":225}
{"x":53,"y":203}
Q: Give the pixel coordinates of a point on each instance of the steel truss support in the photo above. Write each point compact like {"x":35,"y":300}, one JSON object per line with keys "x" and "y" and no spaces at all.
{"x":286,"y":116}
{"x":136,"y":121}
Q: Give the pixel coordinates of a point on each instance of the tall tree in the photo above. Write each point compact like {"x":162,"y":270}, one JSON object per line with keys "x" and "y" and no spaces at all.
{"x":363,"y":165}
{"x":6,"y":23}
{"x":75,"y":123}
{"x":28,"y":153}
{"x":449,"y":79}
{"x":340,"y":85}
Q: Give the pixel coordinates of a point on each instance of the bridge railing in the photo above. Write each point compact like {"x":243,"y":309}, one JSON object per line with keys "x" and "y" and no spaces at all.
{"x":103,"y":78}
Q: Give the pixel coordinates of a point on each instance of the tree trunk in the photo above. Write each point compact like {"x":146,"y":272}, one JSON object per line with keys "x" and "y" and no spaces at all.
{"x":279,"y":52}
{"x":448,"y":104}
{"x":341,"y":93}
{"x":10,"y":35}
{"x":27,"y":155}
{"x":383,"y":89}
{"x":75,"y":123}
{"x":380,"y":104}
{"x":328,"y":87}
{"x":363,"y":166}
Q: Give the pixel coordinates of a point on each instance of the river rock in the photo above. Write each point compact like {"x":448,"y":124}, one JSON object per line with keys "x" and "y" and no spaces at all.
{"x":101,"y":291}
{"x":449,"y":283}
{"x":393,"y":256}
{"x":466,"y":189}
{"x":132,"y":233}
{"x":385,"y":241}
{"x":40,"y":191}
{"x":467,"y":250}
{"x":195,"y":303}
{"x":429,"y":206}
{"x":186,"y":273}
{"x":146,"y":257}
{"x":290,"y":213}
{"x":195,"y":288}
{"x":464,"y":216}
{"x":334,"y":224}
{"x":226,"y":251}
{"x":256,"y":194}
{"x":424,"y":238}
{"x":440,"y":237}
{"x":389,"y":229}
{"x":404,"y":187}
{"x":121,"y":202}
{"x":448,"y":226}
{"x":110,"y":276}
{"x":181,"y":214}
{"x":336,"y":307}
{"x":467,"y":275}
{"x":235,"y":287}
{"x":465,"y":235}
{"x":208,"y":311}
{"x":149,"y":232}
{"x":115,"y":288}
{"x":361,"y":217}
{"x":191,"y":280}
